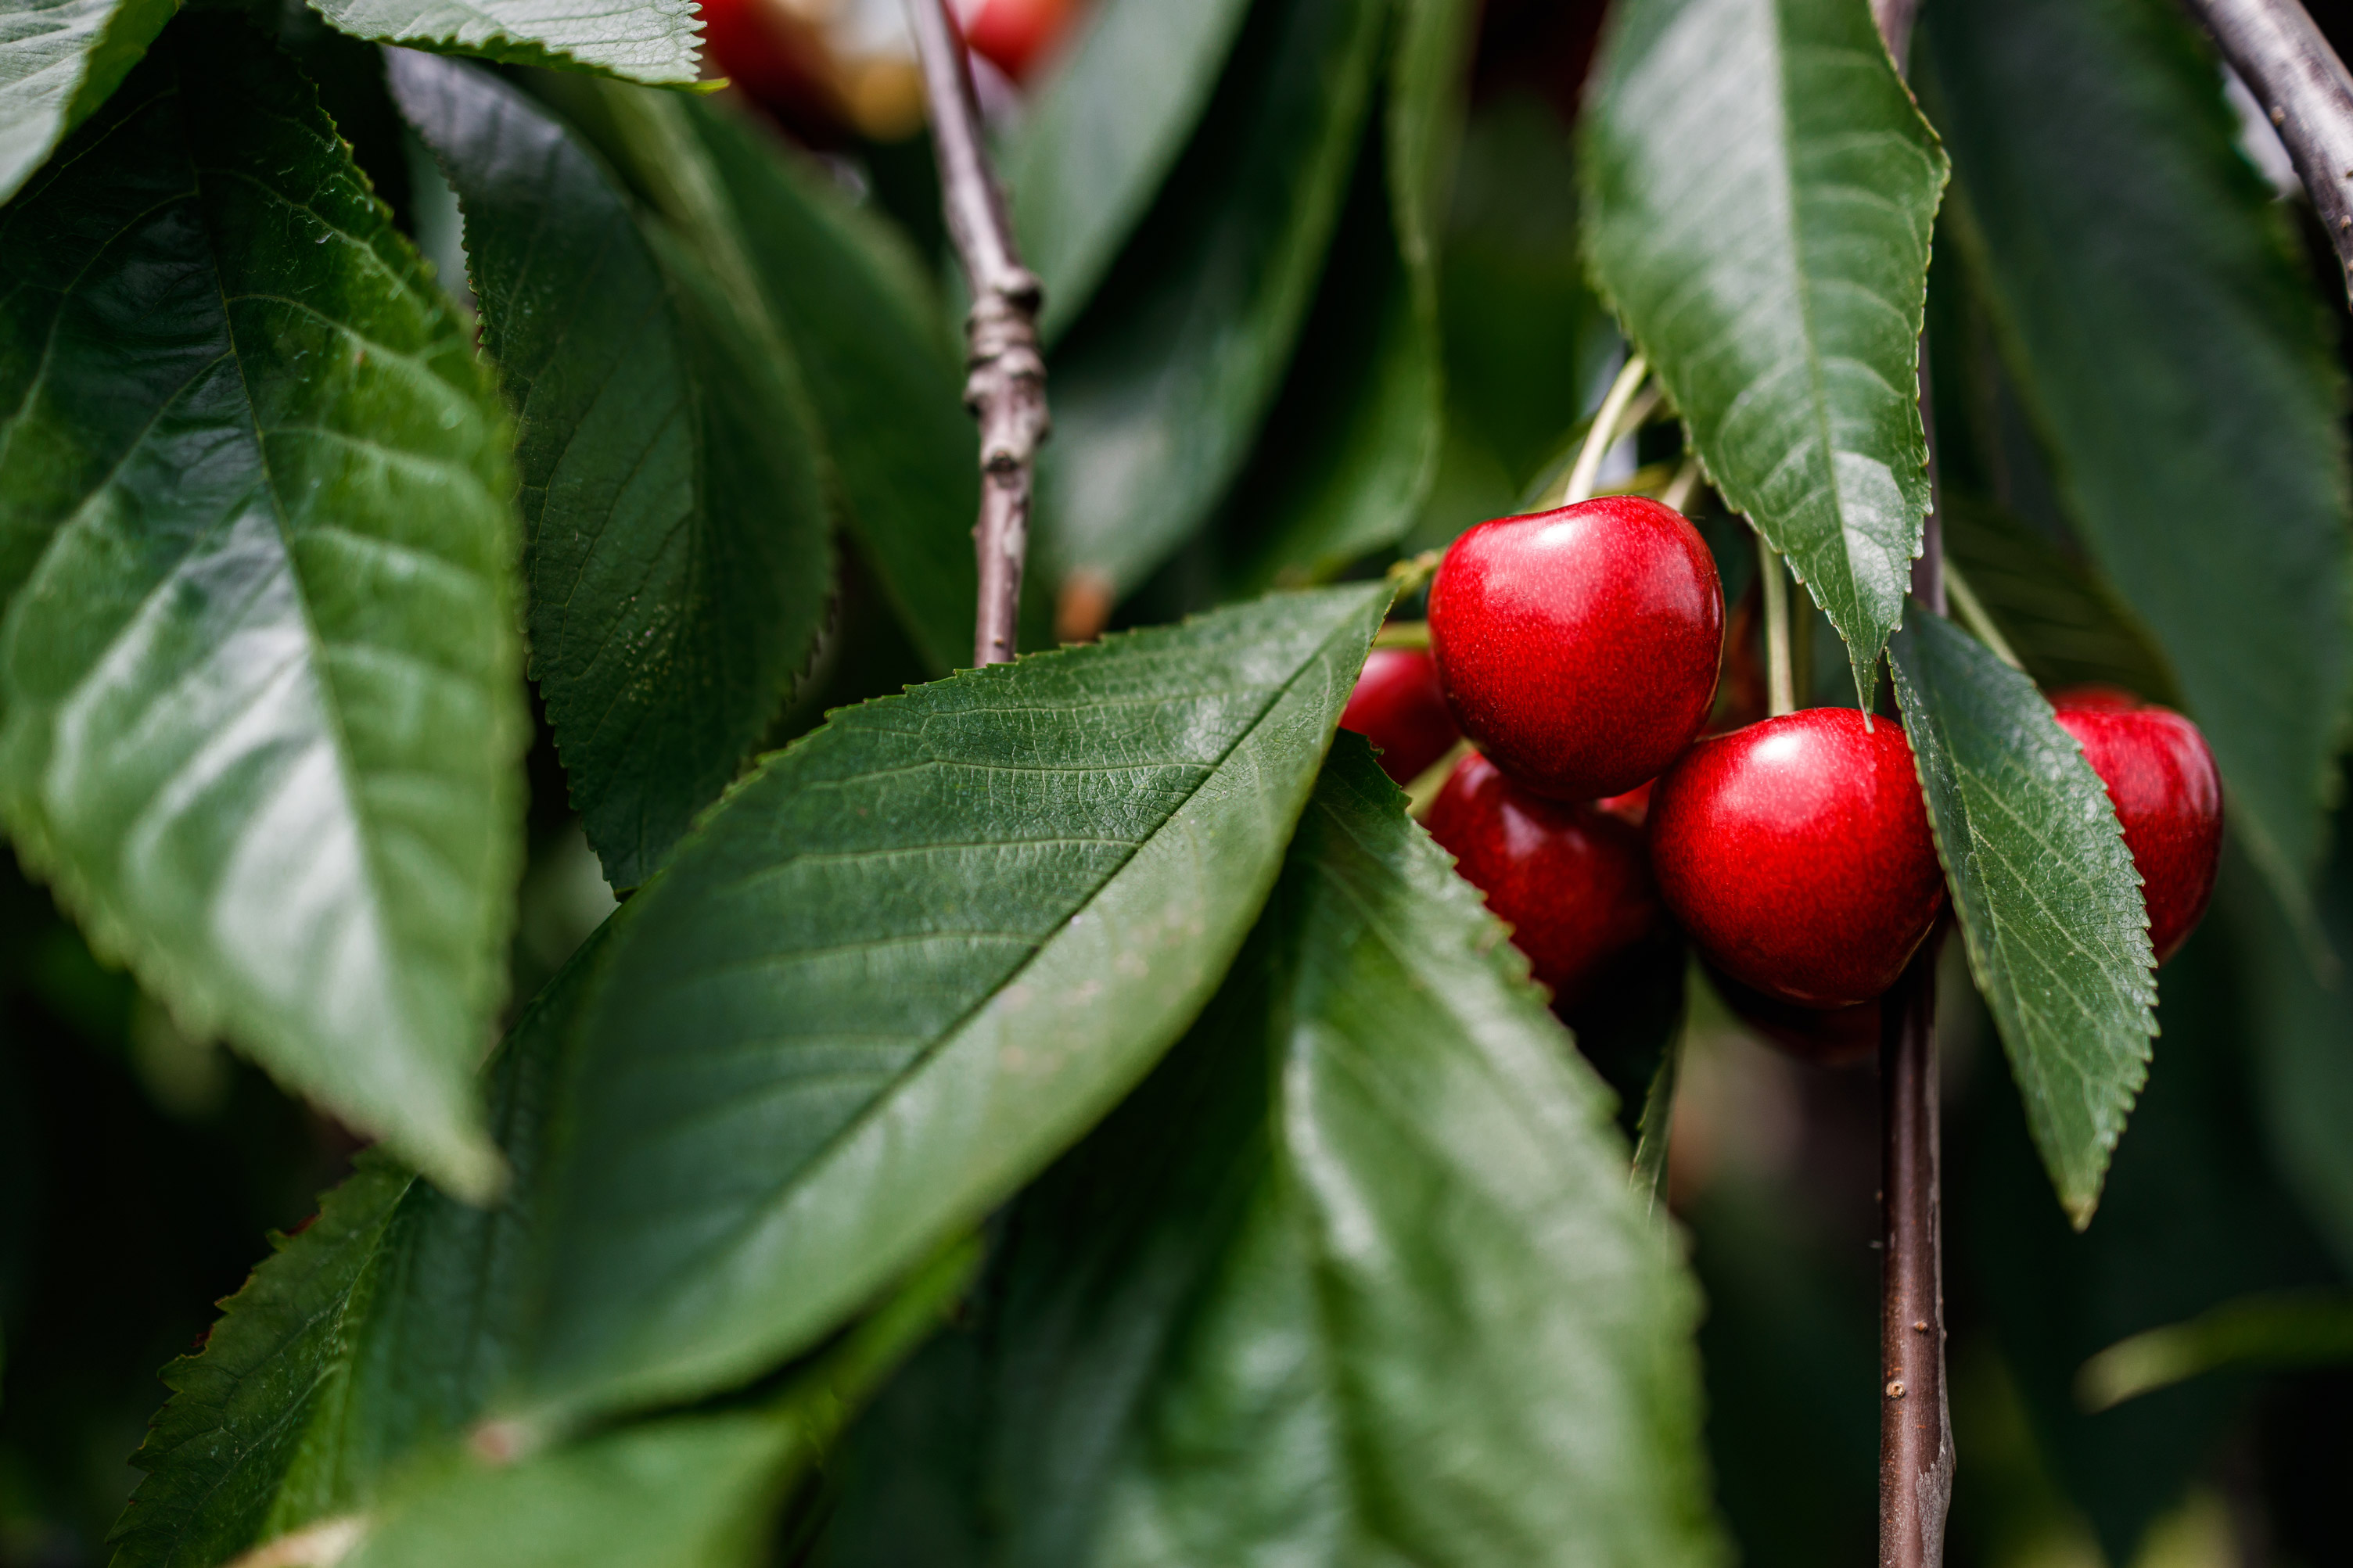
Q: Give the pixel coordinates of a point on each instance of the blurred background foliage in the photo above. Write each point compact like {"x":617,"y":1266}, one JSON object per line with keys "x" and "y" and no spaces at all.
{"x":139,"y":1168}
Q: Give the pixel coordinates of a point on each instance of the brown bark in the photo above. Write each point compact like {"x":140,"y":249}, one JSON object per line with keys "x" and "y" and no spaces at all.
{"x":1006,"y":382}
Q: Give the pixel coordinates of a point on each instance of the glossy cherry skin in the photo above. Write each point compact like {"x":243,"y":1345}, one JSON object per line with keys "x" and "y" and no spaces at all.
{"x":1398,"y":708}
{"x":1579,"y":648}
{"x":1796,"y":853}
{"x":1016,"y":35}
{"x":2167,"y":795}
{"x":1572,"y":882}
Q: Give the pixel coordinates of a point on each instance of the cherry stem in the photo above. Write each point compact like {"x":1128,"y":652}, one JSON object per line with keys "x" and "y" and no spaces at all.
{"x":2305,"y":93}
{"x":1780,"y":676}
{"x":1678,"y":493}
{"x":1603,"y":432}
{"x":1972,"y":613}
{"x":1005,"y":386}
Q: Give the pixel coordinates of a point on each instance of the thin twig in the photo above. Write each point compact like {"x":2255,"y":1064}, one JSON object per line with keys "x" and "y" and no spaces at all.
{"x":1678,"y":493}
{"x":1916,"y":1434}
{"x":2303,"y":88}
{"x":1780,"y":678}
{"x":1006,"y":384}
{"x":1603,"y":433}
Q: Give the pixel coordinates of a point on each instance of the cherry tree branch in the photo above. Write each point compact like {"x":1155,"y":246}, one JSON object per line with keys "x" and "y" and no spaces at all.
{"x":2303,"y":88}
{"x":1006,"y":380}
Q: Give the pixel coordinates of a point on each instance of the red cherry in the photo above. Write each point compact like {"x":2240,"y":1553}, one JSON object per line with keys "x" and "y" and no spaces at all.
{"x":1014,"y":34}
{"x":2167,"y":795}
{"x":1574,"y":882}
{"x":768,"y":55}
{"x":1579,"y":648}
{"x":1633,"y":807}
{"x":1796,"y":853}
{"x":1398,"y":708}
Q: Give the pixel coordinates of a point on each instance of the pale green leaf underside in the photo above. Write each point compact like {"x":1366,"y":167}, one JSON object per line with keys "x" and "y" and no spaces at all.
{"x":653,"y":41}
{"x":1160,"y":393}
{"x":675,"y":530}
{"x":263,"y":718}
{"x":904,"y":964}
{"x":1093,"y":151}
{"x":60,"y":60}
{"x":1759,"y":194}
{"x":2160,"y":316}
{"x":2049,"y":903}
{"x":1355,"y":1277}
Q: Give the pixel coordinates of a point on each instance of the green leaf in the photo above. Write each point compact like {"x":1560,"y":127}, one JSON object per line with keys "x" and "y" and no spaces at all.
{"x":1104,"y":131}
{"x":379,"y":1331}
{"x":2049,"y":903}
{"x":674,"y":532}
{"x":243,"y":1406}
{"x":1346,"y":456}
{"x":1159,"y":393}
{"x":866,"y":327}
{"x":904,"y":966}
{"x":655,"y":41}
{"x":1355,"y":1277}
{"x":263,"y":713}
{"x":884,"y":368}
{"x":2064,"y":622}
{"x":2173,"y":350}
{"x":1758,"y":196}
{"x":60,"y":60}
{"x":691,"y":1489}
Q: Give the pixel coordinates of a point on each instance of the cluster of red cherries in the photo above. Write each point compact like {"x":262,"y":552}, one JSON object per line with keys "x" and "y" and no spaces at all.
{"x":1578,"y":651}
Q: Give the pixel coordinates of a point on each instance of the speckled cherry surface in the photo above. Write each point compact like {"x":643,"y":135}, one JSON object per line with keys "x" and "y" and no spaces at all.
{"x":2167,"y":795}
{"x":1796,"y":852}
{"x":1397,"y":707}
{"x":1574,"y":881}
{"x":1579,"y":647}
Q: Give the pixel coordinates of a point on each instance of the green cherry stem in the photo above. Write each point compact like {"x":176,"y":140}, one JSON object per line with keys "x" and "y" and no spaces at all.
{"x":1604,"y":430}
{"x":1781,"y":678}
{"x":1972,"y":612}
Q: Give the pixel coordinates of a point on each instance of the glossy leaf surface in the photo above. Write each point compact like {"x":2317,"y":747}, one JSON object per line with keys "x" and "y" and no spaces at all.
{"x":263,"y":716}
{"x":1160,"y":392}
{"x":1093,"y":151}
{"x":674,"y":531}
{"x":2049,"y":903}
{"x":1357,"y":1277}
{"x":2160,"y":321}
{"x":60,"y":60}
{"x":907,"y":963}
{"x":1758,"y":196}
{"x":884,"y":368}
{"x":642,"y":40}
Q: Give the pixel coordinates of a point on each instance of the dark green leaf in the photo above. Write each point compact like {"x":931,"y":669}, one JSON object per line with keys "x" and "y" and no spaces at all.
{"x":883,"y":369}
{"x":1357,"y":1277}
{"x":1159,"y":393}
{"x":642,"y":40}
{"x":379,"y":1331}
{"x":1102,"y":134}
{"x":1347,"y":453}
{"x":865,"y":326}
{"x":2062,"y":621}
{"x":263,"y":713}
{"x":1758,"y":195}
{"x":674,"y":533}
{"x":908,"y":962}
{"x":2049,"y":903}
{"x":2297,"y":1028}
{"x":60,"y":60}
{"x":2152,"y":311}
{"x":690,"y":1490}
{"x":244,"y":1406}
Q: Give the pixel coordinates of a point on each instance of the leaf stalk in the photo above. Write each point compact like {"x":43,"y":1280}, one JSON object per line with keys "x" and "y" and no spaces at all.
{"x":1006,"y":371}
